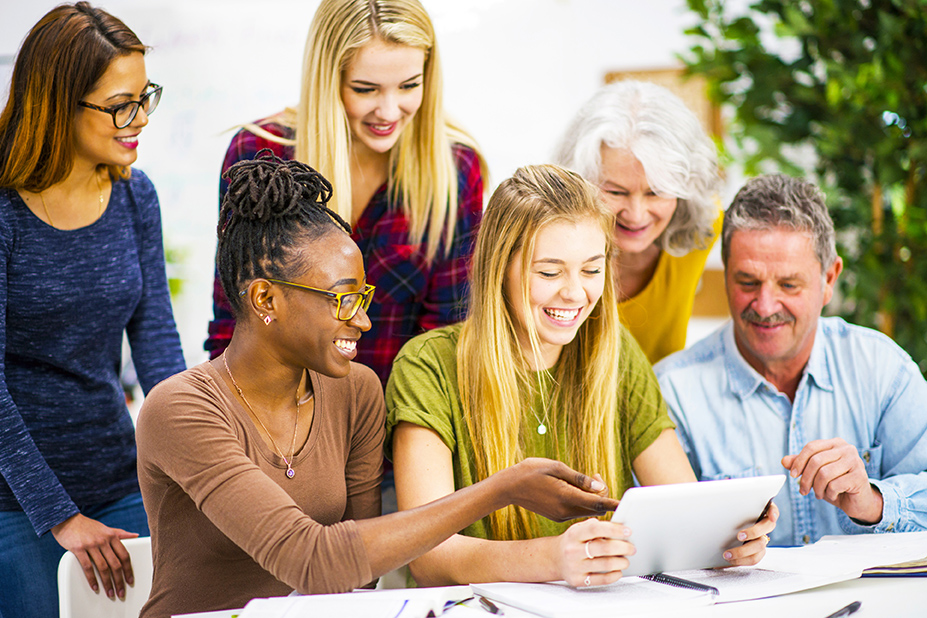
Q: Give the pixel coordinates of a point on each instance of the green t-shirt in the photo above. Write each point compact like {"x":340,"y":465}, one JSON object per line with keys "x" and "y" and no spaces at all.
{"x":423,"y":390}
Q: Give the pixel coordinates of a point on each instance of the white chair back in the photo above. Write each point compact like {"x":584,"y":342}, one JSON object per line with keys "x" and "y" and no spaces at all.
{"x":77,"y":600}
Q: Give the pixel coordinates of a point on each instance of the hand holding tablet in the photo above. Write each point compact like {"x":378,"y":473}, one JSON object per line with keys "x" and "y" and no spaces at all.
{"x":697,"y":525}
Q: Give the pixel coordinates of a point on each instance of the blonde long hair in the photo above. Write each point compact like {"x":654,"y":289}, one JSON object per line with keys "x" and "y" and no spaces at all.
{"x":497,"y":385}
{"x":422,"y":172}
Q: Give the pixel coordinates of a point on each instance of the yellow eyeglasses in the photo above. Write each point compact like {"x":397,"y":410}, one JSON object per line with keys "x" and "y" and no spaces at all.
{"x":348,"y":302}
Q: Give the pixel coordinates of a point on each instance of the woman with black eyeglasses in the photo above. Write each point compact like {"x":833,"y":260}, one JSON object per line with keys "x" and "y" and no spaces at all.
{"x":81,"y":263}
{"x":261,"y":468}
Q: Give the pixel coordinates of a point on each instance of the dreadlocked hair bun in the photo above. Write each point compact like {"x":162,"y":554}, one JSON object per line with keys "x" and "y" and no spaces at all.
{"x":268,"y":187}
{"x":271,"y":206}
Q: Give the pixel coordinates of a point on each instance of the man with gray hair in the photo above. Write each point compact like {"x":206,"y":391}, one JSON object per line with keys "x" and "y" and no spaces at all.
{"x":842,"y":409}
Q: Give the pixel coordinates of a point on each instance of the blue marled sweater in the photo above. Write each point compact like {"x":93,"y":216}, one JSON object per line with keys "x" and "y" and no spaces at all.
{"x":66,"y":297}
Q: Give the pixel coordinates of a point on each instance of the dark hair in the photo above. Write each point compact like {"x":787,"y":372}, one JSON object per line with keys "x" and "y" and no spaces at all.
{"x":271,"y":207}
{"x":777,"y":200}
{"x":60,"y":61}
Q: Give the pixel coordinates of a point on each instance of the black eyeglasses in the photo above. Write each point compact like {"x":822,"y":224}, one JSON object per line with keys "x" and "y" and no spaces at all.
{"x":124,"y":114}
{"x":348,"y":303}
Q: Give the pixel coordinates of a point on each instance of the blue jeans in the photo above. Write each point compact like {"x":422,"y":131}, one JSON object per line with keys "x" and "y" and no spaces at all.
{"x":29,"y":563}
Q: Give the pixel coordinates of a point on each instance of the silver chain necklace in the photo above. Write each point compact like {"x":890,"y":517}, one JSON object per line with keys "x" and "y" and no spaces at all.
{"x":542,"y":425}
{"x":290,"y":473}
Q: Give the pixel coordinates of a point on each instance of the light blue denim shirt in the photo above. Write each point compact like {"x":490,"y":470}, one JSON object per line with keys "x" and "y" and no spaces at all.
{"x":858,"y":385}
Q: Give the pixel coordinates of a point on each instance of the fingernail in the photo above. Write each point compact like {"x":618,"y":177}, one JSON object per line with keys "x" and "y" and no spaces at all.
{"x":626,"y":532}
{"x":597,"y":485}
{"x":727,"y":555}
{"x":110,"y":594}
{"x":793,"y":473}
{"x":742,"y":536}
{"x":96,"y":588}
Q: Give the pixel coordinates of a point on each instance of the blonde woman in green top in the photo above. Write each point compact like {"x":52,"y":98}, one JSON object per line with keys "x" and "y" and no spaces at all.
{"x":540,"y":367}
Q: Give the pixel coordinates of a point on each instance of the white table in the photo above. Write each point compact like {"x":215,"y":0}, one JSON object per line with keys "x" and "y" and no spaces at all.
{"x":880,"y":596}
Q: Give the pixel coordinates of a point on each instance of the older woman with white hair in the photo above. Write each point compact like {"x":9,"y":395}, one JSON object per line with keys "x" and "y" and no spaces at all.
{"x":658,"y":172}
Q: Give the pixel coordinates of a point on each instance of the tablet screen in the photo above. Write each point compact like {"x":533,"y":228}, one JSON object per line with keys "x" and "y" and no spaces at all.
{"x":690,"y":525}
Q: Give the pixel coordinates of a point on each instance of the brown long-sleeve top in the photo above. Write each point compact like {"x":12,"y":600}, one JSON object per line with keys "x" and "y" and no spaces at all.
{"x":227,"y":525}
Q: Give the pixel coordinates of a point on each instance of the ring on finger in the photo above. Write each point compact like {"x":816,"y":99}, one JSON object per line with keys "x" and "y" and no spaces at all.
{"x":587,"y":581}
{"x":588,"y":555}
{"x":766,"y":538}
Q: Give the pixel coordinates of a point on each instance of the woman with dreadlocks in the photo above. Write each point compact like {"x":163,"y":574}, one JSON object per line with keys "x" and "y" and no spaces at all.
{"x":261,"y":468}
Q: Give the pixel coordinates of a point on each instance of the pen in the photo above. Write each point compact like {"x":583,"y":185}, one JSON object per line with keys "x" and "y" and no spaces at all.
{"x":490,"y":607}
{"x":678,"y":582}
{"x":846,"y":611}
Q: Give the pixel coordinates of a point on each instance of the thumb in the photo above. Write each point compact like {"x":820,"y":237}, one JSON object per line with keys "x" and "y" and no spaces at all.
{"x":787,"y":461}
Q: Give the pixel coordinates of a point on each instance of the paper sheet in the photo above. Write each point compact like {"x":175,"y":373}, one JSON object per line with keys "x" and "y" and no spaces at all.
{"x":625,"y":597}
{"x":850,"y":553}
{"x":400,"y":603}
{"x":745,"y":583}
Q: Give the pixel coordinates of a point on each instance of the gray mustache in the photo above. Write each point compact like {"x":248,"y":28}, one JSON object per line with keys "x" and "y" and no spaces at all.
{"x":750,"y":315}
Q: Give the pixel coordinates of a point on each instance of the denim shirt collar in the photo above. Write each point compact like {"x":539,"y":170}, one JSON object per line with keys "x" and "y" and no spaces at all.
{"x":744,"y":379}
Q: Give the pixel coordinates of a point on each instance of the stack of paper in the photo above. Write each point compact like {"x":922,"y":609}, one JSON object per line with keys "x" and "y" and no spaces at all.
{"x":910,"y":568}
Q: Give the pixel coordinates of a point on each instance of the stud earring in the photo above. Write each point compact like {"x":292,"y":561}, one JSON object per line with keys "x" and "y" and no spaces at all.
{"x":268,"y":320}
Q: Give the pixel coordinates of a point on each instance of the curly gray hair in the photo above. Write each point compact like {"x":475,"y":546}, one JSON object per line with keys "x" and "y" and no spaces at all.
{"x":667,"y":138}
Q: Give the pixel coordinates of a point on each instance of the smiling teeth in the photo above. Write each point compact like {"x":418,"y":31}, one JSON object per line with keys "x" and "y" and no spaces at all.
{"x":564,"y":315}
{"x":348,"y":345}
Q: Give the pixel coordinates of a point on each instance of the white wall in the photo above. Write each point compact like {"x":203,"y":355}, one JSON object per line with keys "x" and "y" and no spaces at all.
{"x":515,"y":71}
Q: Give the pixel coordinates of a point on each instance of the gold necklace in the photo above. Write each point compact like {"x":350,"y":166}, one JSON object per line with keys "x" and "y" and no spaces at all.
{"x":290,"y":473}
{"x":45,"y":207}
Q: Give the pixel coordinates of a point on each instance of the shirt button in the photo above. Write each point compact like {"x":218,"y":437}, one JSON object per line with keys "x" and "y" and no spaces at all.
{"x":891,"y":527}
{"x":806,"y":539}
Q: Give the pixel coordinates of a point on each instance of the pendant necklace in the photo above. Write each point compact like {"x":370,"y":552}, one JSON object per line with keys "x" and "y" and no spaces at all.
{"x":542,"y":426}
{"x":290,"y":473}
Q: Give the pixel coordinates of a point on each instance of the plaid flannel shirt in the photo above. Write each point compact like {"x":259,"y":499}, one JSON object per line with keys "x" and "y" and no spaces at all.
{"x":412,"y":296}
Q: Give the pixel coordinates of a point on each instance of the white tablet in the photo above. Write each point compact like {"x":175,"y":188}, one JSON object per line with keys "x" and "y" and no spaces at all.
{"x":690,"y":525}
